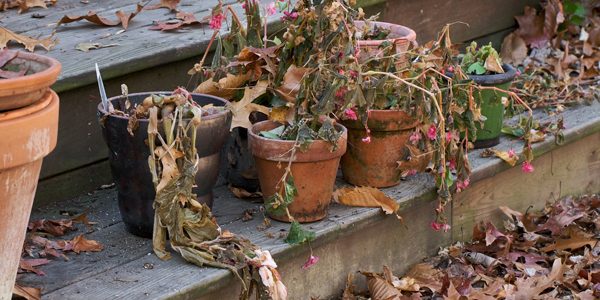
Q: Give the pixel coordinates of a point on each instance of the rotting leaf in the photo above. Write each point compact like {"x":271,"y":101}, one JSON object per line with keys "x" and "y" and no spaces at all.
{"x":123,"y":18}
{"x":29,"y":42}
{"x":86,"y":47}
{"x":366,"y":197}
{"x":28,"y":293}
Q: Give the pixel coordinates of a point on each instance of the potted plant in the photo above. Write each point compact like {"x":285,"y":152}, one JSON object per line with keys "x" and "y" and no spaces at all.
{"x":372,"y":34}
{"x":28,"y":132}
{"x":484,"y":66}
{"x":124,"y":127}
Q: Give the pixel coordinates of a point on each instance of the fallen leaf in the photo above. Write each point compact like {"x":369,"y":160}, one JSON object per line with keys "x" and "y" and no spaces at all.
{"x":366,"y":197}
{"x":53,"y":227}
{"x":25,"y":5}
{"x":29,"y":265}
{"x":349,"y":289}
{"x":29,"y":293}
{"x":380,"y":288}
{"x":81,"y":244}
{"x":182,"y":19}
{"x":577,"y":239}
{"x":531,"y":287}
{"x":170,"y":4}
{"x":514,"y":49}
{"x":242,"y":193}
{"x":509,"y":158}
{"x":242,"y":109}
{"x":86,"y":47}
{"x":29,"y":42}
{"x":123,"y":18}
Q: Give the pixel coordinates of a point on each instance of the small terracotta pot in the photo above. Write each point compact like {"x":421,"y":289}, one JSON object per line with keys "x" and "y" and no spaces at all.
{"x":400,"y":35}
{"x":41,"y":73}
{"x":314,"y":171}
{"x":27,"y":135}
{"x":375,"y":164}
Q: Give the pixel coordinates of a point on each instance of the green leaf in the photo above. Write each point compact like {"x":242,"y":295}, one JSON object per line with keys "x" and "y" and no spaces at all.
{"x":297,"y":235}
{"x":274,"y":133}
{"x":476,"y":68}
{"x":277,"y":41}
{"x":514,"y":131}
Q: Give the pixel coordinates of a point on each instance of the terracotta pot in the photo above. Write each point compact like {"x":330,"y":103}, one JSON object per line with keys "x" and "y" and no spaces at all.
{"x":128,"y":157}
{"x":400,"y":35}
{"x":314,"y":171}
{"x":41,"y":73}
{"x":27,"y":135}
{"x":375,"y":164}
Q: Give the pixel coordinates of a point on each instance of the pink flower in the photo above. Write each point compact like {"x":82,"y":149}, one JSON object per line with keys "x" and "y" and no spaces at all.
{"x":518,"y":73}
{"x":353,"y":74}
{"x":462,"y":185}
{"x":440,"y":226}
{"x":271,"y":9}
{"x":312,"y":260}
{"x":341,"y":71}
{"x":450,"y":69}
{"x":415,"y":137}
{"x":452,"y":164}
{"x":216,"y":21}
{"x":366,"y":139}
{"x":289,"y":15}
{"x":244,"y":5}
{"x":432,"y":132}
{"x":356,"y":51}
{"x":341,"y":92}
{"x":527,"y":167}
{"x":511,"y":153}
{"x":411,"y":172}
{"x":449,"y":136}
{"x":350,"y":114}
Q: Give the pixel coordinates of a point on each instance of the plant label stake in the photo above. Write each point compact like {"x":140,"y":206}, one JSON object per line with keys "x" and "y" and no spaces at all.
{"x":101,"y":88}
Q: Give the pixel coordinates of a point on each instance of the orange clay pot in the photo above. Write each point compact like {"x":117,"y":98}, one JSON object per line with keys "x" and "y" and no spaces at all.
{"x":27,"y":135}
{"x":375,"y":164}
{"x":400,"y":35}
{"x":19,"y":92}
{"x":314,"y":171}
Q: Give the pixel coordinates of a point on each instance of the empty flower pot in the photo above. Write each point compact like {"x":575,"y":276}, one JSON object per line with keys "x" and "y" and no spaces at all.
{"x":314,"y":171}
{"x":128,"y":157}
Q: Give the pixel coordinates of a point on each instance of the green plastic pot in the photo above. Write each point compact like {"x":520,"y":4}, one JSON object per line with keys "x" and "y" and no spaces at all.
{"x":492,"y":108}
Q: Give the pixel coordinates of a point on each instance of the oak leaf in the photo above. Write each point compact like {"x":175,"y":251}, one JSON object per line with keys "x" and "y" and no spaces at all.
{"x":514,"y":49}
{"x":29,"y":42}
{"x":123,"y":18}
{"x":28,"y":293}
{"x":366,"y":197}
{"x":170,"y":4}
{"x":182,"y":19}
{"x":242,"y":109}
{"x":380,"y":288}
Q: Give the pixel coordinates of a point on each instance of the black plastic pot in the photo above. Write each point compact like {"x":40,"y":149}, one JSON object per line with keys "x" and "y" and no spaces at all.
{"x":128,"y":157}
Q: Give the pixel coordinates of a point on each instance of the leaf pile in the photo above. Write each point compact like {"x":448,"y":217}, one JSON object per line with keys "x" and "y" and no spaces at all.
{"x":557,"y":51}
{"x":41,"y":245}
{"x":551,"y":254}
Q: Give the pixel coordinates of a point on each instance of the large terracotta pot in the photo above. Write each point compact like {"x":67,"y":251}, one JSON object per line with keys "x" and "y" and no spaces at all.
{"x":314,"y":171}
{"x":27,"y":135}
{"x":400,"y":35}
{"x":375,"y":164}
{"x":128,"y":157}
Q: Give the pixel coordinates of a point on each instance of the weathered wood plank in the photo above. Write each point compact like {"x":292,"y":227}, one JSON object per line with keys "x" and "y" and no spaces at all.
{"x":427,"y":17}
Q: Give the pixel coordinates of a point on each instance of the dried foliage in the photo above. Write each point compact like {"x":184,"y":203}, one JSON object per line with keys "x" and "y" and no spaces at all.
{"x":551,"y":254}
{"x":30,"y":43}
{"x":25,"y":5}
{"x":557,"y":50}
{"x":123,"y":18}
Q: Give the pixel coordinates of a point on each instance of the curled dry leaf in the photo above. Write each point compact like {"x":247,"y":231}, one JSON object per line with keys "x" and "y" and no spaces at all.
{"x":225,"y":87}
{"x":81,"y":244}
{"x":170,"y":4}
{"x":29,"y":42}
{"x":123,"y":18}
{"x":291,"y":83}
{"x":380,"y":288}
{"x":514,"y":49}
{"x":366,"y":197}
{"x":182,"y":19}
{"x":28,"y":293}
{"x":86,"y":47}
{"x":241,"y":109}
{"x":29,"y":265}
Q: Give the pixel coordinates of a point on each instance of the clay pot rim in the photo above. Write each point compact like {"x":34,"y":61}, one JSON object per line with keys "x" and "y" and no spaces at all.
{"x":27,"y":110}
{"x":30,"y":117}
{"x":410,"y":35}
{"x":283,"y":146}
{"x":219,"y":115}
{"x":47,"y":77}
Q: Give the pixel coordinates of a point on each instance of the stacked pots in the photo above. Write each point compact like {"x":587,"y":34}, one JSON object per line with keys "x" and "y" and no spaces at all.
{"x":314,"y":170}
{"x":28,"y":131}
{"x":401,"y":36}
{"x":128,"y":157}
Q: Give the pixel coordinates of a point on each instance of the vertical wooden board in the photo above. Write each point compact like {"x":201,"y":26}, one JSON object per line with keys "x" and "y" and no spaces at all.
{"x":427,"y":17}
{"x":569,"y":170}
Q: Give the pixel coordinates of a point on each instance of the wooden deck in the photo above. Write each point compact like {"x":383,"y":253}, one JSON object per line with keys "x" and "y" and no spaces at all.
{"x":348,"y":240}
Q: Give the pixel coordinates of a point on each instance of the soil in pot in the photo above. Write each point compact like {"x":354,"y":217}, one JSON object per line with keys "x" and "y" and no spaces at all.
{"x":128,"y":157}
{"x":314,"y":171}
{"x":27,"y":135}
{"x":375,"y":163}
{"x":492,"y":107}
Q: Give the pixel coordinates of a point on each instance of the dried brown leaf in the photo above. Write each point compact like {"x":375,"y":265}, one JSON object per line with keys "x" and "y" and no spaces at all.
{"x":366,"y":197}
{"x":242,"y":109}
{"x":123,"y":18}
{"x":28,"y":293}
{"x":183,"y":19}
{"x":29,"y":42}
{"x":29,"y":265}
{"x":288,"y":90}
{"x":225,"y":87}
{"x":81,"y":244}
{"x":380,"y":288}
{"x":170,"y":4}
{"x":531,"y":287}
{"x":514,"y":49}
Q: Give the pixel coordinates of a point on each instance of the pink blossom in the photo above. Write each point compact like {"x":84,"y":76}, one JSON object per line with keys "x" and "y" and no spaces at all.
{"x":449,"y":136}
{"x":289,"y":15}
{"x":462,"y":185}
{"x":511,"y":153}
{"x":271,"y":9}
{"x":527,"y":167}
{"x":518,"y":73}
{"x":450,"y":69}
{"x":452,"y":164}
{"x":411,"y":172}
{"x":440,"y":226}
{"x":312,"y":260}
{"x":366,"y":139}
{"x":216,"y":21}
{"x":415,"y":137}
{"x":341,"y":92}
{"x":353,"y":74}
{"x":341,"y":72}
{"x":350,"y":114}
{"x":244,"y":5}
{"x":432,"y":132}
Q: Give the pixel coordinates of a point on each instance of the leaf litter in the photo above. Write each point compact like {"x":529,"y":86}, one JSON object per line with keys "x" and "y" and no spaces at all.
{"x":550,"y":254}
